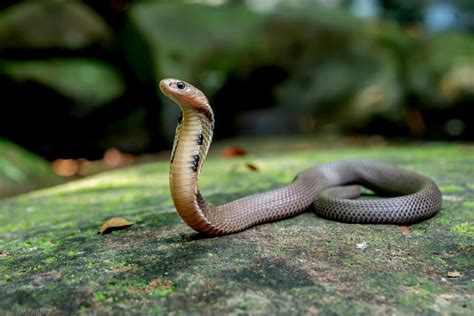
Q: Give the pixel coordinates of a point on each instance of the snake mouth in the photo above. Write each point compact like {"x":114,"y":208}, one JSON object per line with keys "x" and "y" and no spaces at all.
{"x":165,"y":85}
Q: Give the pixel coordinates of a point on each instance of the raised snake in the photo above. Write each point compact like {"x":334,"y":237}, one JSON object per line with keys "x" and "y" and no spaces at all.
{"x":331,"y":188}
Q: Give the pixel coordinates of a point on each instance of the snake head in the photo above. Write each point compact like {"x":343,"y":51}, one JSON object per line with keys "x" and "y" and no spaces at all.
{"x":185,"y":94}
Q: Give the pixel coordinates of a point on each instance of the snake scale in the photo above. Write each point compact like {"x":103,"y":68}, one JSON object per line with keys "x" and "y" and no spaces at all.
{"x":332,"y":188}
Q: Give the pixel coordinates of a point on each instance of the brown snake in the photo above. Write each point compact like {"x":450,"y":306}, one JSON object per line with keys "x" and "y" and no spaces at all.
{"x":331,"y":188}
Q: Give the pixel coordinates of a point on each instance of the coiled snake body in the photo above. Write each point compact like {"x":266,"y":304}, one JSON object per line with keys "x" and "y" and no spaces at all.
{"x":331,"y":188}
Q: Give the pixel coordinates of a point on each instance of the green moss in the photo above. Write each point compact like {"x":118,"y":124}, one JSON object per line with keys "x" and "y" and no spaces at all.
{"x":442,"y":220}
{"x":418,"y":231}
{"x":49,"y":260}
{"x":162,"y":292}
{"x":296,"y":266}
{"x":153,"y":310}
{"x":5,"y":277}
{"x":411,"y":290}
{"x":439,"y":262}
{"x":280,"y":253}
{"x":451,"y":188}
{"x":349,"y":262}
{"x":100,"y":296}
{"x":416,"y":297}
{"x":463,"y":261}
{"x":464,"y":229}
{"x":468,"y":204}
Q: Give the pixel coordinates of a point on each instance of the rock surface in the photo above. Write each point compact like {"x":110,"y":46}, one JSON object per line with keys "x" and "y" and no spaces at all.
{"x":53,"y":260}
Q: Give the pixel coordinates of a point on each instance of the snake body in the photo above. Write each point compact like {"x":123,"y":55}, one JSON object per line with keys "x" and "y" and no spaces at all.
{"x":331,"y":188}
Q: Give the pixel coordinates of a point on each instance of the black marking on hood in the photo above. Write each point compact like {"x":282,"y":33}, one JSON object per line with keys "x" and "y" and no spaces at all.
{"x":200,"y":139}
{"x":195,"y":162}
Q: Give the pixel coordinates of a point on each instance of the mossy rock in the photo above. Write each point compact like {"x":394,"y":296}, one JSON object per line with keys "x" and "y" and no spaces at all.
{"x":51,"y":257}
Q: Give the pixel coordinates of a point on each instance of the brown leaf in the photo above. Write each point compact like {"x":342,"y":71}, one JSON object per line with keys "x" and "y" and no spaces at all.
{"x":251,"y":167}
{"x":454,"y":274}
{"x":114,"y":223}
{"x":233,"y":151}
{"x":65,"y":167}
{"x":114,"y":158}
{"x":244,"y":167}
{"x":405,"y":230}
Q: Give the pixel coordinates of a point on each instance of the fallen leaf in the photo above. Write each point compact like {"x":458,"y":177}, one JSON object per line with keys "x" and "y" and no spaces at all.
{"x":405,"y":230}
{"x":114,"y":223}
{"x":251,"y":167}
{"x":233,"y":151}
{"x":244,"y":167}
{"x":114,"y":158}
{"x":65,"y":167}
{"x":454,"y":274}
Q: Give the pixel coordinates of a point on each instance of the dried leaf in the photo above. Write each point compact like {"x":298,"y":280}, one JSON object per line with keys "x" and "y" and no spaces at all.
{"x":244,"y":167}
{"x":405,"y":230}
{"x":114,"y":158}
{"x":251,"y":167}
{"x":114,"y":223}
{"x":233,"y":151}
{"x":454,"y":274}
{"x":65,"y":167}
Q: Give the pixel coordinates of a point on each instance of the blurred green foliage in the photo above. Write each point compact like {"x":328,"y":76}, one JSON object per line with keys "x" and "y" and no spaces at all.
{"x":90,"y":83}
{"x":22,"y":171}
{"x":442,"y":70}
{"x":202,"y":40}
{"x":49,"y":24}
{"x":337,"y":71}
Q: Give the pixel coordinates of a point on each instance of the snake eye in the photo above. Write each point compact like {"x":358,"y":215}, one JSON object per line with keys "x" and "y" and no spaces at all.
{"x":181,"y":85}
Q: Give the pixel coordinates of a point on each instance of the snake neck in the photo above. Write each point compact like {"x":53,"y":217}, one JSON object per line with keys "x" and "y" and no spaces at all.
{"x":192,"y":140}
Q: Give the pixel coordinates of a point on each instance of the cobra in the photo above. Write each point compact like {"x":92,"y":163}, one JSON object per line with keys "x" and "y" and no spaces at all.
{"x":332,"y":188}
